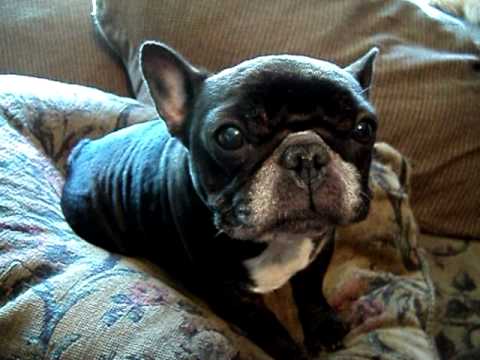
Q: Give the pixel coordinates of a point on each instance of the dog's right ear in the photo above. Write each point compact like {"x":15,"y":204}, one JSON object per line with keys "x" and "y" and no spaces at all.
{"x":173,"y":83}
{"x":362,"y":69}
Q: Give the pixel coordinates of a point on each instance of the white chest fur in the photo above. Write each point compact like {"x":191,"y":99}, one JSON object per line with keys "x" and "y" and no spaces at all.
{"x":284,"y":256}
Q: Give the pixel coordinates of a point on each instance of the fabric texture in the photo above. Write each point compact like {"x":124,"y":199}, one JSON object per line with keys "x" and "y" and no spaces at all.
{"x":56,"y":40}
{"x":55,"y":123}
{"x":378,"y":281}
{"x":425,"y":88}
{"x":456,"y":271}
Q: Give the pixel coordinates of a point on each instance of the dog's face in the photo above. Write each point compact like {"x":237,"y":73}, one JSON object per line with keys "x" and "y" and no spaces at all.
{"x":280,"y":148}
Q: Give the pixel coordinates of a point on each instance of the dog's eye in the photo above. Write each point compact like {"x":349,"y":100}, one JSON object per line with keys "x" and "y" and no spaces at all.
{"x":230,"y":138}
{"x":364,"y":131}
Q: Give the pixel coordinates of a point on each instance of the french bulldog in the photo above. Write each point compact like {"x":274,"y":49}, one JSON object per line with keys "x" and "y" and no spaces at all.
{"x":239,"y":187}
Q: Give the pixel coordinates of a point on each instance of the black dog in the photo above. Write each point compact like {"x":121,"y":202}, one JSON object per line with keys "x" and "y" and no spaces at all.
{"x":240,"y":187}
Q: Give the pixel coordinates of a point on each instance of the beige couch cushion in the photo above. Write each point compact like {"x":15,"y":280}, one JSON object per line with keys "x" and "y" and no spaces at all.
{"x":55,"y":39}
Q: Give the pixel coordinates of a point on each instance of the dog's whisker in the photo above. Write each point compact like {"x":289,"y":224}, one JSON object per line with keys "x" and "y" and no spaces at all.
{"x":219,"y":233}
{"x":365,"y":90}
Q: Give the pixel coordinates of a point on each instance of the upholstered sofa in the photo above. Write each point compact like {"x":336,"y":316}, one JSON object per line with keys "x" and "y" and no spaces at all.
{"x":62,"y":298}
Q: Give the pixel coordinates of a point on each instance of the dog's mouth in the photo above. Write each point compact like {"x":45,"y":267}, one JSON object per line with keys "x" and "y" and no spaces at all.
{"x":281,"y":200}
{"x":299,"y":222}
{"x":237,"y":223}
{"x":296,"y":216}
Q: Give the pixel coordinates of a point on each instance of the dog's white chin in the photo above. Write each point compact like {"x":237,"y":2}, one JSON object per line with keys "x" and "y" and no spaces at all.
{"x":284,"y":257}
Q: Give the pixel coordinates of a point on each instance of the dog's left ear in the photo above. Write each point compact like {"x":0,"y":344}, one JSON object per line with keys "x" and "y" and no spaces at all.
{"x":362,"y":69}
{"x":173,"y":83}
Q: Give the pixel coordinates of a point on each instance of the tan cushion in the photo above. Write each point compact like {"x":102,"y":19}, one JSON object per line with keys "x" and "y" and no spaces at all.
{"x":55,"y":39}
{"x":426,"y":86}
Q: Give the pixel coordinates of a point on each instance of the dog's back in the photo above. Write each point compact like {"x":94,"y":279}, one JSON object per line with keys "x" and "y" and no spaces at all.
{"x":115,"y":197}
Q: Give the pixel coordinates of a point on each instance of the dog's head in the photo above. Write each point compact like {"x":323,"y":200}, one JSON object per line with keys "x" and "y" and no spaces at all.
{"x":280,"y":146}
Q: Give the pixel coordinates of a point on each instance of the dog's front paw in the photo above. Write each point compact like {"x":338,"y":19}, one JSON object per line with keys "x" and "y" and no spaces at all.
{"x":286,"y":350}
{"x":325,"y":334}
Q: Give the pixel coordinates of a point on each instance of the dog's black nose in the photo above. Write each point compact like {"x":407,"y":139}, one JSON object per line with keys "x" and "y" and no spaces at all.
{"x":306,"y":162}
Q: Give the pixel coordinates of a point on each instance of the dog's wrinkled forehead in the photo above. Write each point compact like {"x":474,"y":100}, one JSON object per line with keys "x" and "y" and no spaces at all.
{"x":287,"y":87}
{"x":285,"y":66}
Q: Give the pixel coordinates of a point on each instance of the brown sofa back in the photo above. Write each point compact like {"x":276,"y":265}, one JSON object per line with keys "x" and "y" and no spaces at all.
{"x":55,"y":39}
{"x":426,"y":87}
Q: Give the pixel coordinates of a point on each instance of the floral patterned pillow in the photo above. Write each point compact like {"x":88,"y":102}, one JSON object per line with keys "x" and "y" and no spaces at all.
{"x":60,"y":297}
{"x":379,"y":281}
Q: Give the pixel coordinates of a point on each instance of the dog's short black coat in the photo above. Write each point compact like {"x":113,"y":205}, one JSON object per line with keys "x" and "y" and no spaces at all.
{"x":240,"y":186}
